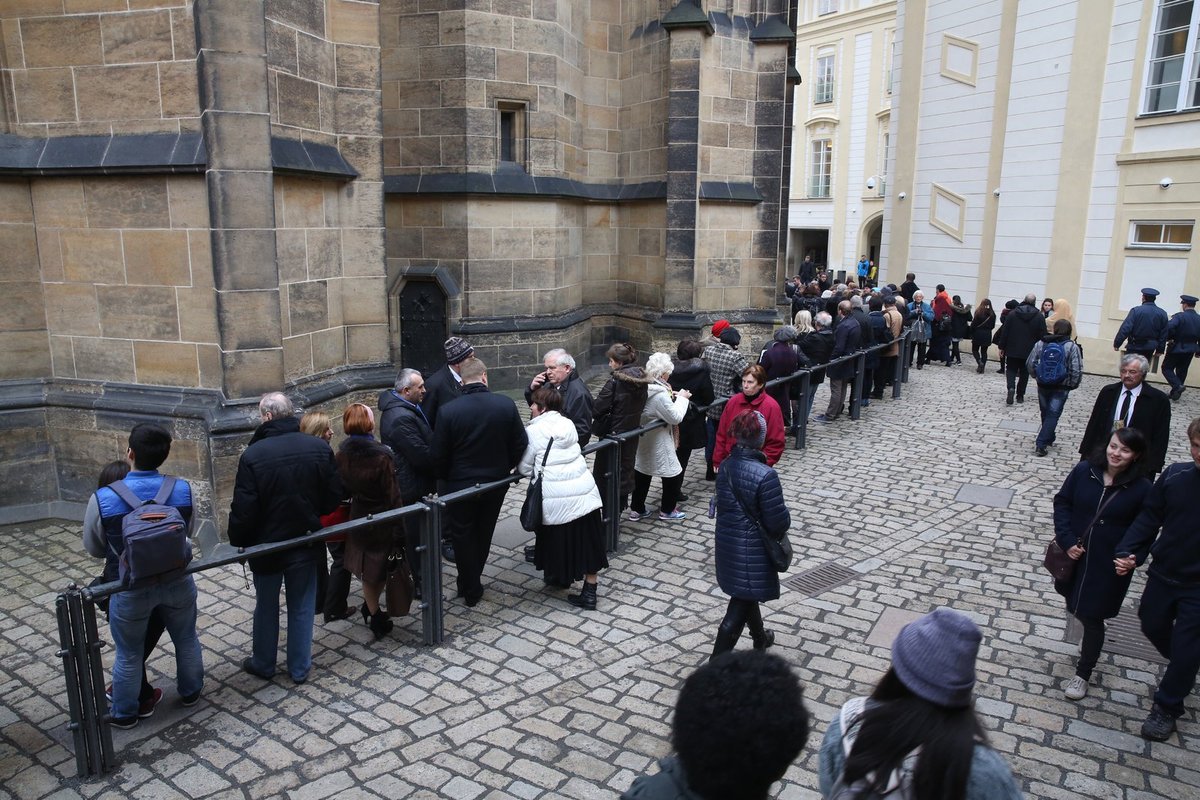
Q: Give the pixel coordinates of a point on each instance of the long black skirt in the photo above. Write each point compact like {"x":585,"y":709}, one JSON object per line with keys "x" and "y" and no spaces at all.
{"x":567,"y":552}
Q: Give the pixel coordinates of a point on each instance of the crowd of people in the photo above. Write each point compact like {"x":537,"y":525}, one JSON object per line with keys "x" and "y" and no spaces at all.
{"x":450,"y":432}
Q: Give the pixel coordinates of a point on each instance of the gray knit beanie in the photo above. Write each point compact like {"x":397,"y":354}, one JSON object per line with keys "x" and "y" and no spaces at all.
{"x":785,"y":333}
{"x":934,"y":657}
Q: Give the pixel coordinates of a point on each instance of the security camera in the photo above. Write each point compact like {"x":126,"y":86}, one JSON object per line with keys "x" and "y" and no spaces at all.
{"x":995,"y":192}
{"x":903,"y":196}
{"x":1165,"y":183}
{"x":870,"y":183}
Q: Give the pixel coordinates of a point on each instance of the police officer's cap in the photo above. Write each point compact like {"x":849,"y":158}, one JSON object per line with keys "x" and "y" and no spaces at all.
{"x":1150,"y":292}
{"x":1189,"y":299}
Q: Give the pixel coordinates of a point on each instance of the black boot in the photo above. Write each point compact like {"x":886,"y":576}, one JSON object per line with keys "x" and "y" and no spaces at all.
{"x":763,"y":640}
{"x":586,"y":599}
{"x":380,"y":624}
{"x":726,"y":639}
{"x":710,"y":474}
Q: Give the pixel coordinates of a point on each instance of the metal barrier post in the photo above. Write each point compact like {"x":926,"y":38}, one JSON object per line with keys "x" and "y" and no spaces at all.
{"x":802,"y":411}
{"x":612,"y":492}
{"x":860,"y":364}
{"x":70,"y":658}
{"x":93,"y":684}
{"x":432,"y":604}
{"x":905,"y":355}
{"x":898,"y":372}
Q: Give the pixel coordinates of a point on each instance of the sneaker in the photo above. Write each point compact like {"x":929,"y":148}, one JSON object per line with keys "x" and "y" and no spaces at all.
{"x":676,"y":514}
{"x":1076,"y":688}
{"x":125,"y":723}
{"x":1159,"y":726}
{"x":189,"y":700}
{"x":1041,"y":451}
{"x":824,"y":418}
{"x":146,"y":707}
{"x":634,"y":516}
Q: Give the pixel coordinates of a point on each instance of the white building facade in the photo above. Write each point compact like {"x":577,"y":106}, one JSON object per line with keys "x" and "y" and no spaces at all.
{"x":1051,"y":148}
{"x":841,"y":124}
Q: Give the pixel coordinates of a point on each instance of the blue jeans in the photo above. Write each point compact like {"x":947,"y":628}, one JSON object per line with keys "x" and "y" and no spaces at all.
{"x":1051,"y":402}
{"x":300,"y":585}
{"x":128,"y":616}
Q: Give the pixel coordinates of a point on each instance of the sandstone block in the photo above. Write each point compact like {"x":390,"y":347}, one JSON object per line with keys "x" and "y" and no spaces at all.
{"x":71,"y":308}
{"x":188,"y":201}
{"x":116,"y":93}
{"x":362,"y":251}
{"x":177,"y":86}
{"x":299,"y":101}
{"x":249,"y":319}
{"x":237,"y":141}
{"x":308,"y":306}
{"x":166,"y":364}
{"x":137,"y":37}
{"x":315,"y":59}
{"x":251,"y":373}
{"x":366,"y":344}
{"x":61,"y":41}
{"x":328,"y":349}
{"x":103,"y":359}
{"x":233,"y":82}
{"x":358,"y":112}
{"x":244,"y":259}
{"x":197,"y":314}
{"x":157,"y":258}
{"x":127,"y":202}
{"x":291,"y":255}
{"x":324,"y":248}
{"x":357,"y":67}
{"x":231,"y":26}
{"x":208,"y":358}
{"x":90,"y":256}
{"x":24,"y":354}
{"x":306,"y":15}
{"x":281,"y":47}
{"x":22,"y":306}
{"x":183,"y":33}
{"x":297,"y":357}
{"x":138,"y":312}
{"x":200,"y":254}
{"x":242,"y":198}
{"x":44,"y":95}
{"x":353,"y":22}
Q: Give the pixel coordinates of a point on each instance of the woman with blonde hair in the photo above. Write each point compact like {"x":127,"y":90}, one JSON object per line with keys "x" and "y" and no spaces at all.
{"x":318,"y":424}
{"x":367,"y":470}
{"x":333,"y":587}
{"x":656,"y":449}
{"x":1062,"y":310}
{"x":803,"y":323}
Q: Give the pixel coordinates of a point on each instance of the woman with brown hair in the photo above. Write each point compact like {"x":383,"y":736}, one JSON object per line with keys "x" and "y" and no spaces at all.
{"x":618,"y":409}
{"x":367,"y":469}
{"x":752,"y":398}
{"x":980,"y":329}
{"x":333,"y":587}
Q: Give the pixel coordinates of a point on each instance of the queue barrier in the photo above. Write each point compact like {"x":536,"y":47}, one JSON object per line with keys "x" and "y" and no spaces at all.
{"x":81,"y":645}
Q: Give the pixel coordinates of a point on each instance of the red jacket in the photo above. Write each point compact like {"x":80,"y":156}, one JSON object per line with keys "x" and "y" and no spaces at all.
{"x":941,"y":305}
{"x":763,"y":404}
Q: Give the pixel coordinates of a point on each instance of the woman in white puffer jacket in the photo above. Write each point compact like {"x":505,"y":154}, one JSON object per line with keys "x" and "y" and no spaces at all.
{"x":656,"y":449}
{"x":570,"y":541}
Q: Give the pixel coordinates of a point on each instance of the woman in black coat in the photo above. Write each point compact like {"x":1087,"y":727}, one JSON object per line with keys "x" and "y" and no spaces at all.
{"x":1097,"y":502}
{"x":692,"y":373}
{"x":618,"y":409}
{"x":748,"y":494}
{"x":960,"y":323}
{"x":980,"y":331}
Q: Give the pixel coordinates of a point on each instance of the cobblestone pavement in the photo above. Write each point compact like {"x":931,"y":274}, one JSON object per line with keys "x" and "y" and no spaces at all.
{"x":529,"y":698}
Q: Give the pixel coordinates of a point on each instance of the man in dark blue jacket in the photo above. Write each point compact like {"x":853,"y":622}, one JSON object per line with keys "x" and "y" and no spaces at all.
{"x":479,"y":438}
{"x":403,"y":427}
{"x":1145,"y":327}
{"x":1183,"y":333}
{"x":172,"y":601}
{"x":286,"y":480}
{"x":847,"y":336}
{"x":1170,"y":607}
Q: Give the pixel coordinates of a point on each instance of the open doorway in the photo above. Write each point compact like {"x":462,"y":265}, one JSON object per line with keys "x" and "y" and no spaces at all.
{"x":807,"y":242}
{"x":872,"y":239}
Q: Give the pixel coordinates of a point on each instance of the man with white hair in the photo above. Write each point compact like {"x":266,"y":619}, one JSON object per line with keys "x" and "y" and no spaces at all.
{"x":577,"y":399}
{"x":286,"y":480}
{"x":1131,"y":403}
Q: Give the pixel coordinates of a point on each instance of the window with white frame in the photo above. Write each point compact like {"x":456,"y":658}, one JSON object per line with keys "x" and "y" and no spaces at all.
{"x":885,"y":143}
{"x":1161,"y":235}
{"x":826,"y":7}
{"x":889,"y":55}
{"x":820,"y":168}
{"x":825,"y":71}
{"x":1173,"y":71}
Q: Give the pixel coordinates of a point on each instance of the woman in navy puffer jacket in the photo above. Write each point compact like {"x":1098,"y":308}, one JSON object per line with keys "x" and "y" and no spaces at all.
{"x":747,"y":490}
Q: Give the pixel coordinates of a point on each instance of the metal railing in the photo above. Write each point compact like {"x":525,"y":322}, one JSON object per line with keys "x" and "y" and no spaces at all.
{"x":81,"y":644}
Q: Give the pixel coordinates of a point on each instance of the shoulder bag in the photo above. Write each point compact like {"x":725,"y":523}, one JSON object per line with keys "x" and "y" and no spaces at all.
{"x":531,"y":509}
{"x":779,"y":551}
{"x":1060,"y":565}
{"x":398,"y":591}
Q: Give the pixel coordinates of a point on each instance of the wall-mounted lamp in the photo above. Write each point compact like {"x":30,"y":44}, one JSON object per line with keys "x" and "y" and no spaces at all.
{"x":1165,"y":183}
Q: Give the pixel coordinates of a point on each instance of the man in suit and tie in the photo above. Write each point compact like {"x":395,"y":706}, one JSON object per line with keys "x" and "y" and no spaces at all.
{"x":1132,"y":403}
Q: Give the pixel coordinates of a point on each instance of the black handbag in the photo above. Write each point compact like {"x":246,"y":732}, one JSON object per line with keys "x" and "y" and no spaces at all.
{"x":398,"y":590}
{"x":779,"y":551}
{"x":531,"y":509}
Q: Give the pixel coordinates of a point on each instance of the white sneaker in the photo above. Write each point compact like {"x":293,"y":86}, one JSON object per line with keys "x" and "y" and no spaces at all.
{"x":634,"y":516}
{"x":1076,"y":688}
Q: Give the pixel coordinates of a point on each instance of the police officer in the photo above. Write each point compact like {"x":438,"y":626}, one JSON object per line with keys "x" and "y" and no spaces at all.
{"x":1183,"y":333}
{"x":1145,"y":327}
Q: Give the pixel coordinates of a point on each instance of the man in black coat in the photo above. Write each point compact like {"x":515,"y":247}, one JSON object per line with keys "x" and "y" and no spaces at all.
{"x":817,"y":347}
{"x":1022,"y":329}
{"x":286,"y":480}
{"x":847,"y":337}
{"x":577,"y":398}
{"x":403,"y":427}
{"x":446,"y":384}
{"x":1133,"y":403}
{"x":479,"y":438}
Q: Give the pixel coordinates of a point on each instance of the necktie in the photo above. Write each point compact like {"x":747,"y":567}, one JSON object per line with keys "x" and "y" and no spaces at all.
{"x":1124,"y":417}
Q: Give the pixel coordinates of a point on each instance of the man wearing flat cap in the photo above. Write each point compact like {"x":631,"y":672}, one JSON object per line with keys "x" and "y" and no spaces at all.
{"x":1183,"y":337}
{"x":1145,"y":327}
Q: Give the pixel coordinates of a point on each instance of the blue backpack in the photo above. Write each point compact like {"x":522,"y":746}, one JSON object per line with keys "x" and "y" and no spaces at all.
{"x":1052,"y":366}
{"x":154,"y":535}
